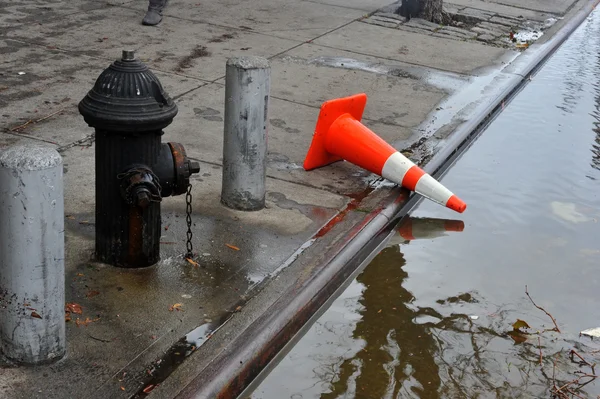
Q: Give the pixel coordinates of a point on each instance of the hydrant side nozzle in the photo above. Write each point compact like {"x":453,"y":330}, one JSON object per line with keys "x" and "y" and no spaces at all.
{"x":194,"y":167}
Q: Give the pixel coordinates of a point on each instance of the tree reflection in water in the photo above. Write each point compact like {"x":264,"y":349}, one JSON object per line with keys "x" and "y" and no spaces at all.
{"x":399,"y":354}
{"x":422,"y":352}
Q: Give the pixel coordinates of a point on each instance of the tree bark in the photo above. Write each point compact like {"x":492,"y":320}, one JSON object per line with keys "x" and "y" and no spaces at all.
{"x":432,"y":10}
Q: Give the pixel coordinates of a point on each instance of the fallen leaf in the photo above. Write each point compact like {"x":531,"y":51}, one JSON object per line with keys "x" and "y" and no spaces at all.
{"x":177,"y":307}
{"x":85,"y":322}
{"x":92,"y":294}
{"x":233,"y":247}
{"x":379,"y":311}
{"x":517,"y":336}
{"x":192,"y":262}
{"x":68,"y":316}
{"x":73,"y":308}
{"x":238,"y":308}
{"x":517,"y":325}
{"x":122,"y":388}
{"x":79,"y":274}
{"x":148,"y":389}
{"x":36,"y":315}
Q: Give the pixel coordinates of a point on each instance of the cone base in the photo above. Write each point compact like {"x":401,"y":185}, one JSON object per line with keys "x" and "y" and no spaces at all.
{"x":318,"y":155}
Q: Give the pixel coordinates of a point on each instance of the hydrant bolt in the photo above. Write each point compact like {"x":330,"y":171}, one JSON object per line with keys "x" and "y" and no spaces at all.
{"x":142,"y":198}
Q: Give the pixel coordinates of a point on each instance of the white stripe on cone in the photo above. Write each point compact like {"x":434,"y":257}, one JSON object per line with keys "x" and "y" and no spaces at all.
{"x":430,"y":188}
{"x":396,"y":167}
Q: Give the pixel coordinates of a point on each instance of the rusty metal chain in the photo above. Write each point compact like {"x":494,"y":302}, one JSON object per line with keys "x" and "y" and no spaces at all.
{"x":188,"y":219}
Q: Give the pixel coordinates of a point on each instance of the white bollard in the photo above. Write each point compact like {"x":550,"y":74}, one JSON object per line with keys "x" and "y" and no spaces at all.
{"x":32,"y":271}
{"x":247,"y":91}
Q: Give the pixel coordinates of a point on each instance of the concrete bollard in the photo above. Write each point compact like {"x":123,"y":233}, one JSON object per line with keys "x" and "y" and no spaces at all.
{"x":247,"y":91}
{"x":32,"y":271}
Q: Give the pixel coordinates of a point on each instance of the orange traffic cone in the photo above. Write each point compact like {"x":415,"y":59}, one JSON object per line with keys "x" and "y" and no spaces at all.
{"x":428,"y":228}
{"x":339,"y":134}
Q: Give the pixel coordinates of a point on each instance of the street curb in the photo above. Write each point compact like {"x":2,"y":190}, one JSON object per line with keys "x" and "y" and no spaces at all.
{"x":245,"y":360}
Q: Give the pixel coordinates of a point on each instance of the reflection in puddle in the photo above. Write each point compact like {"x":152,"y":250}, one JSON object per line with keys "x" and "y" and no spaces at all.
{"x":427,"y":228}
{"x":162,"y":368}
{"x":173,"y":358}
{"x":376,"y":342}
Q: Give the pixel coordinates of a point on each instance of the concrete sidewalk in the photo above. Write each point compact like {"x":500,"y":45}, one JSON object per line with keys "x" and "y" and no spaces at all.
{"x":51,"y":54}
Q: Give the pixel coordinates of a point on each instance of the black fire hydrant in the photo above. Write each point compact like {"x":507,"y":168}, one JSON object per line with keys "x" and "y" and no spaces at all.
{"x":129,"y":109}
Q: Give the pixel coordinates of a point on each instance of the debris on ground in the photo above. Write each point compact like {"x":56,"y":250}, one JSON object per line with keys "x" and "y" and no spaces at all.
{"x":176,"y":307}
{"x":85,"y":322}
{"x":73,"y":308}
{"x":591,"y":332}
{"x":193,"y":262}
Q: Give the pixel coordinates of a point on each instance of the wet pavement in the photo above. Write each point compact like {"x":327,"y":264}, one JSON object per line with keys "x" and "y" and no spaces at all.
{"x":433,"y":315}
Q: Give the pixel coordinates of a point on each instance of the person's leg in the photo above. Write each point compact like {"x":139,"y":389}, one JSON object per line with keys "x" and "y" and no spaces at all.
{"x":154,"y":14}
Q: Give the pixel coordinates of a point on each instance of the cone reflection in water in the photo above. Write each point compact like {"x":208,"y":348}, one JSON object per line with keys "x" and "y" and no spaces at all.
{"x":339,"y":134}
{"x":421,"y":228}
{"x":413,"y":228}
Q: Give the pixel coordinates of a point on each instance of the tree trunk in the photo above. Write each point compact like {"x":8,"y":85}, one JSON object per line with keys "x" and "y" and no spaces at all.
{"x":432,"y":10}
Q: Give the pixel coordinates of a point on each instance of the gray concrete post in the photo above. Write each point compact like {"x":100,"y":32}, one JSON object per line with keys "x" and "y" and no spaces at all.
{"x":32,"y":271}
{"x":247,"y":91}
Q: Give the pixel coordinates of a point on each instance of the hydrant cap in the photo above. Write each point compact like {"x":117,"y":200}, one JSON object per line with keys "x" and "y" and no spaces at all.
{"x":128,"y":97}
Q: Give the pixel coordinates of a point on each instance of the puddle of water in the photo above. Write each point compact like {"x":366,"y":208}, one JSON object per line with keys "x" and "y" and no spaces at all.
{"x":432,"y":316}
{"x":162,"y":368}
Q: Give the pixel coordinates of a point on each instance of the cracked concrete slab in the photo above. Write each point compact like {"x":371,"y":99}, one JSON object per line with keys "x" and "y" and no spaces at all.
{"x":414,"y":48}
{"x":366,"y":5}
{"x":500,"y":9}
{"x":298,"y":20}
{"x":46,"y":85}
{"x":195,"y":49}
{"x":552,"y":6}
{"x":10,"y":139}
{"x":21,"y":12}
{"x":392,"y":99}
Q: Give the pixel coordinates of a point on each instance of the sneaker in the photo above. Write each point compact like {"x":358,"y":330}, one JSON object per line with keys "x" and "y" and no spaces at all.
{"x":154,"y":14}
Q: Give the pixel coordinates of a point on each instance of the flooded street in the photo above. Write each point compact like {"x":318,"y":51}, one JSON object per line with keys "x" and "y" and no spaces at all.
{"x":435,"y":314}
